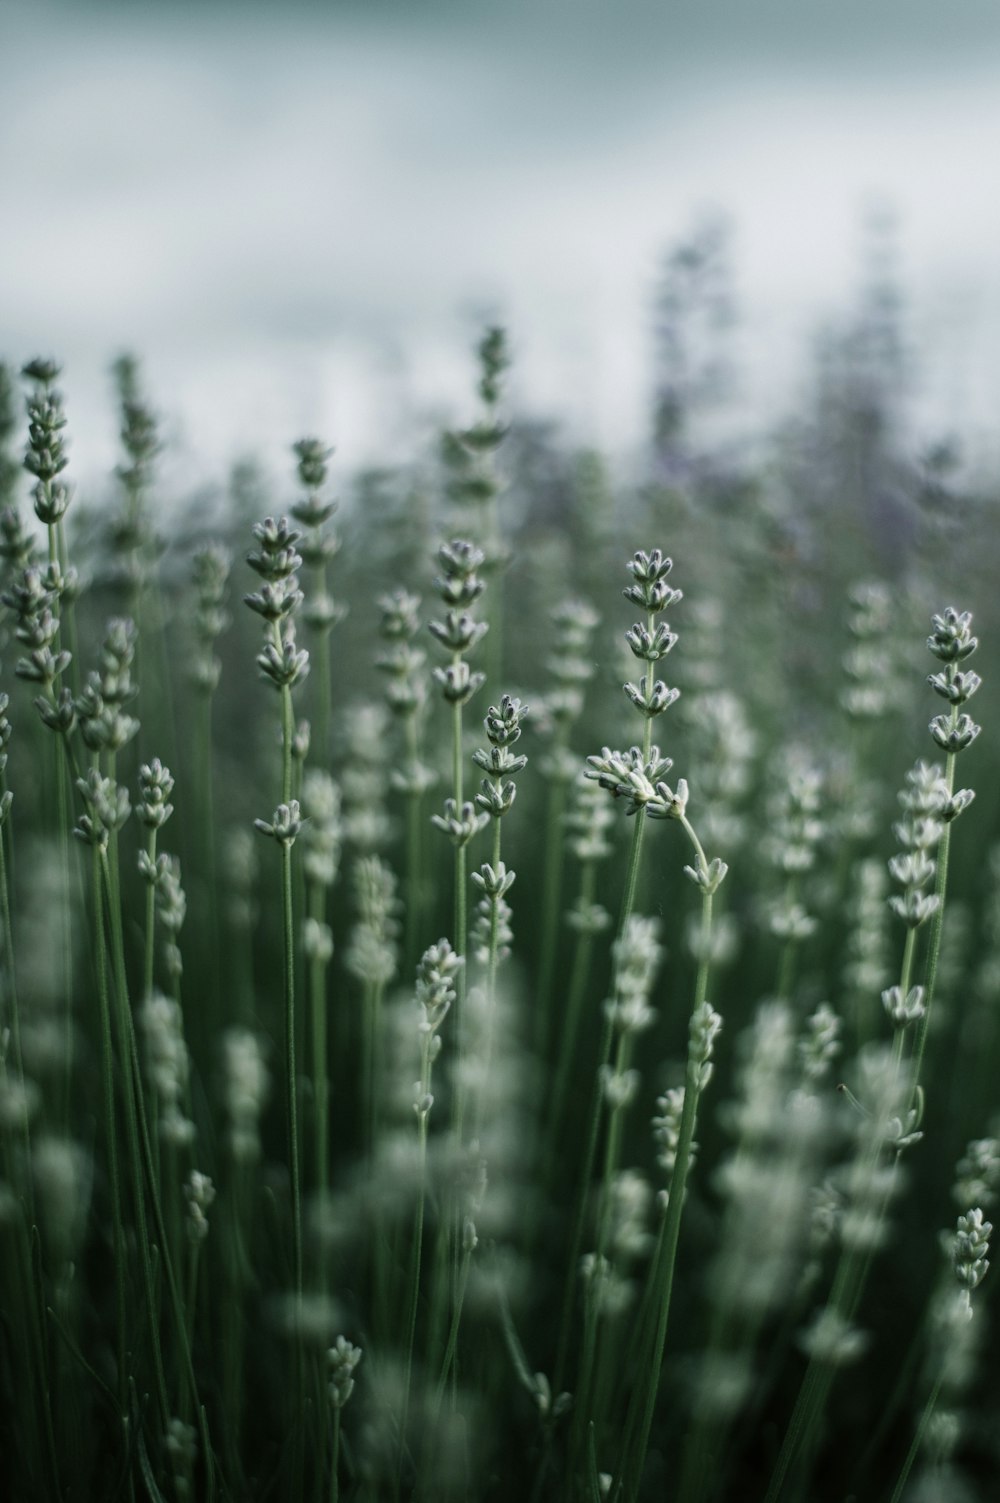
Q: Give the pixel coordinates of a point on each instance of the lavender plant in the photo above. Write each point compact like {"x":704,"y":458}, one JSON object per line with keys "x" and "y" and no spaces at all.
{"x":317,"y":1181}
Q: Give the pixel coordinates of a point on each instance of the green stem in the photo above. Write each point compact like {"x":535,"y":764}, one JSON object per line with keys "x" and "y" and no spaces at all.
{"x":631,"y":1470}
{"x":320,"y":1070}
{"x":291,"y":1112}
{"x":551,"y":892}
{"x":452,"y":1344}
{"x":291,"y":1106}
{"x":323,"y":689}
{"x":418,"y":1242}
{"x":335,"y":1458}
{"x":937,"y":926}
{"x":491,"y":985}
{"x":111,"y":1133}
{"x":287,"y":737}
{"x":141,"y":1155}
{"x":461,"y":911}
{"x":150,"y":933}
{"x":132,"y":1087}
{"x":567,"y":1040}
{"x":913,"y":1452}
{"x":590,"y":1152}
{"x":414,"y":843}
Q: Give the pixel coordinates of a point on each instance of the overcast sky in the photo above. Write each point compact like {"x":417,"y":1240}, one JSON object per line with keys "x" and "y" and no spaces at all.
{"x":298,"y":215}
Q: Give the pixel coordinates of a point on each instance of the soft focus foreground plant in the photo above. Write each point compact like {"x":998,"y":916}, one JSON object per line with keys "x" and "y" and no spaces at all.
{"x":317,"y":1182}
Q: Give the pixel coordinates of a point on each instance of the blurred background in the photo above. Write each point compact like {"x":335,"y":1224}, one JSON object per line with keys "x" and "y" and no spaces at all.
{"x":300,"y":216}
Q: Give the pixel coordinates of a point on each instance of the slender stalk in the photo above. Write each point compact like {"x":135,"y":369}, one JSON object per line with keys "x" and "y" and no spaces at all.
{"x":461,"y":913}
{"x":291,"y":1105}
{"x":8,"y":951}
{"x":150,"y":924}
{"x":111,"y":1132}
{"x":414,"y":852}
{"x":666,"y":1257}
{"x":320,"y":1065}
{"x":143,"y":1164}
{"x":937,"y":926}
{"x":590,"y":1151}
{"x":335,"y":1457}
{"x":551,"y":893}
{"x":567,"y":1040}
{"x":415,"y":1262}
{"x":132,"y":1088}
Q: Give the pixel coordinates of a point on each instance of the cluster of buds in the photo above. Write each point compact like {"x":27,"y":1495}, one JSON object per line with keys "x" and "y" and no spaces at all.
{"x":868,"y":664}
{"x":639,"y":781}
{"x":210,"y":576}
{"x":796,"y":826}
{"x":721,"y":747}
{"x":99,"y":708}
{"x":702,"y":1033}
{"x":796,"y":832}
{"x":342,"y":1360}
{"x":608,"y":1292}
{"x":141,"y":444}
{"x":865,"y":971}
{"x":925,"y":801}
{"x":5,"y":734}
{"x":652,"y":640}
{"x":372,"y":951}
{"x":246,"y":1089}
{"x":406,"y":690}
{"x":276,"y":560}
{"x":318,"y":544}
{"x":952,"y":642}
{"x":34,"y":600}
{"x":629,"y":1204}
{"x":460,"y":586}
{"x":45,"y":457}
{"x":637,"y":776}
{"x":364,"y":776}
{"x":588,"y":823}
{"x":171,"y":905}
{"x":903,"y":1008}
{"x":460,"y":822}
{"x":969,"y":1247}
{"x":199,"y":1193}
{"x":181,"y":1446}
{"x":9,"y":466}
{"x":977,"y":1174}
{"x":436,"y":975}
{"x":469,"y":454}
{"x":666,"y":1125}
{"x":503,"y":731}
{"x":17,"y":546}
{"x":167,"y":1066}
{"x":703,"y":1030}
{"x":156,"y":784}
{"x":820,"y":1044}
{"x":138,"y":430}
{"x":322,"y":830}
{"x":107,"y":809}
{"x":284,"y":824}
{"x":571,"y":666}
{"x":637,"y":954}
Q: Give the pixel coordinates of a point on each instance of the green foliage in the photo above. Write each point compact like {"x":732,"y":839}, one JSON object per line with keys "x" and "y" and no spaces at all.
{"x":638,"y":1180}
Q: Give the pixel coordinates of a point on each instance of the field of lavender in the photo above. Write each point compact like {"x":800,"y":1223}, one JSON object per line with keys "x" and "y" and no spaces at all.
{"x":468,"y":1034}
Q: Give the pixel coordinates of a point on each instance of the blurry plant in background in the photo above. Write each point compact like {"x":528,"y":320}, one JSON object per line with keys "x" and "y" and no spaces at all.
{"x":631,"y":1180}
